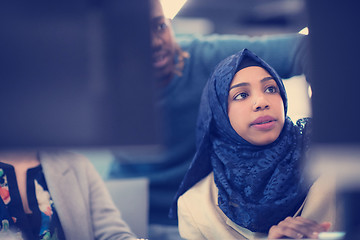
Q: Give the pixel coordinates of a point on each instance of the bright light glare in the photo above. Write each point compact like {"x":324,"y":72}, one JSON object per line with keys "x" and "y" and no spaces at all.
{"x":172,"y":7}
{"x":304,"y":31}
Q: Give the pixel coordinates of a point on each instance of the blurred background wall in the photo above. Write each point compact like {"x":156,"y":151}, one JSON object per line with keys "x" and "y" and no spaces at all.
{"x":250,"y":17}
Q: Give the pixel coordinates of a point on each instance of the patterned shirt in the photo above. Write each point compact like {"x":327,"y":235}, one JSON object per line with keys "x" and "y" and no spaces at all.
{"x":43,"y":223}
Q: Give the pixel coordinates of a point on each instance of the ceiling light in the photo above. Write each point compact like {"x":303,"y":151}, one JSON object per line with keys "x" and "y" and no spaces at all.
{"x":172,"y":7}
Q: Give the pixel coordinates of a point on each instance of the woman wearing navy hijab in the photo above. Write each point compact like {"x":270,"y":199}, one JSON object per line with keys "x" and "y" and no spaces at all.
{"x":246,"y":178}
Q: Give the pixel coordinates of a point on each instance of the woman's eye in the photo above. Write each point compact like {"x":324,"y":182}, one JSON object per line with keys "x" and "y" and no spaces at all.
{"x":241,"y":96}
{"x":271,"y":89}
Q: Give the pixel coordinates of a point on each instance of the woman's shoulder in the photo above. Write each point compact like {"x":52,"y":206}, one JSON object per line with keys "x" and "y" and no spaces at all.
{"x":201,"y":201}
{"x":200,"y":204}
{"x":204,"y":188}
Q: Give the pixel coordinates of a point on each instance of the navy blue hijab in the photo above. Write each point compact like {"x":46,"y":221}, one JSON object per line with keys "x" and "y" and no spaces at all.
{"x":259,"y":186}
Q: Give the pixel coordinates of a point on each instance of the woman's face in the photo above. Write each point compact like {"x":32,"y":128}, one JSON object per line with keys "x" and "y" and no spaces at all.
{"x":255,"y":107}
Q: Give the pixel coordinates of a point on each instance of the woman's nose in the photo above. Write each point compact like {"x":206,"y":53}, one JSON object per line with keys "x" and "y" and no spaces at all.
{"x":260,"y":103}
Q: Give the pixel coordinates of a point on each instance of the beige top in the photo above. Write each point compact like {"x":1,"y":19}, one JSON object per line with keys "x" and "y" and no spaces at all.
{"x":201,"y":218}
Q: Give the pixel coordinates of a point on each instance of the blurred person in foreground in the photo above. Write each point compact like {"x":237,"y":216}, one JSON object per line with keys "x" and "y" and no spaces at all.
{"x":56,"y":195}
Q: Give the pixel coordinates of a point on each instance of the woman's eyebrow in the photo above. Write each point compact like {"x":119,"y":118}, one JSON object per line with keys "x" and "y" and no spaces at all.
{"x":239,"y":85}
{"x":266,"y":79}
{"x":246,"y":84}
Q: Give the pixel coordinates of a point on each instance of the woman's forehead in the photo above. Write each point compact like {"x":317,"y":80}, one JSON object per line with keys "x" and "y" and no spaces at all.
{"x":250,"y":74}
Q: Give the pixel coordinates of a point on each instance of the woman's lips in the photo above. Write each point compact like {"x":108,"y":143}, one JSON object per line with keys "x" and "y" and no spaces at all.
{"x":264,"y":123}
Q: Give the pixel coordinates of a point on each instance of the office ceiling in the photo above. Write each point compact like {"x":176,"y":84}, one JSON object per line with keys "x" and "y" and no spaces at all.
{"x":252,"y":17}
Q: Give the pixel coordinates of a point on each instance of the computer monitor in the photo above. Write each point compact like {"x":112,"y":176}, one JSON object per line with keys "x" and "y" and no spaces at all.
{"x":335,"y":103}
{"x":76,"y":74}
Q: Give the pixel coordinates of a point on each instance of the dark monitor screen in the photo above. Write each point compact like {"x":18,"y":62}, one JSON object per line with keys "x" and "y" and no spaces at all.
{"x":335,"y":65}
{"x":76,"y":74}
